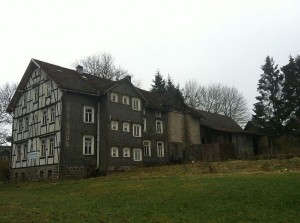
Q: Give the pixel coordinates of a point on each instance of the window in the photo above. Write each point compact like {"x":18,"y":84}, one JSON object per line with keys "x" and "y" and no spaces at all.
{"x":114,"y":152}
{"x":49,"y":88}
{"x":144,"y":125}
{"x":136,"y":104}
{"x":136,"y":130}
{"x":144,"y":111}
{"x":18,"y":152}
{"x":126,"y":127}
{"x":160,"y":149}
{"x":157,"y":113}
{"x":147,"y":148}
{"x":125,"y":100}
{"x":159,"y":126}
{"x":25,"y":151}
{"x":114,"y":125}
{"x":20,"y":125}
{"x":137,"y":155}
{"x":36,"y":94}
{"x":25,"y":99}
{"x":88,"y":114}
{"x":88,"y":145}
{"x":43,"y":147}
{"x":51,"y":146}
{"x":52,"y":114}
{"x":114,"y":97}
{"x":49,"y":173}
{"x":44,"y":119}
{"x":126,"y":152}
{"x":26,"y":123}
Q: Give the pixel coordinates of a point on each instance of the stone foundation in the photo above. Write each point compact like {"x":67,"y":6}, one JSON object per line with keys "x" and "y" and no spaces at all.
{"x":49,"y":172}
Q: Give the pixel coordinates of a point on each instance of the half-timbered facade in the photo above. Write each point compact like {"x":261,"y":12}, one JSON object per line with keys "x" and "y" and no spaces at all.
{"x":69,"y":124}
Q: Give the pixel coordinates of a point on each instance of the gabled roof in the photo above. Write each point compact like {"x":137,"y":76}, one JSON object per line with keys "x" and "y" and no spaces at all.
{"x":219,"y":122}
{"x":67,"y":79}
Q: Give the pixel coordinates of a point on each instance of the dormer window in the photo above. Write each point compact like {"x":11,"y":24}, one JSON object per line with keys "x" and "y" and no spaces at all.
{"x":114,"y":97}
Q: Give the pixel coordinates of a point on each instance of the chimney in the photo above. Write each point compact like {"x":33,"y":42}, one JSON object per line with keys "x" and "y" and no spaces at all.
{"x":79,"y":69}
{"x":128,"y":77}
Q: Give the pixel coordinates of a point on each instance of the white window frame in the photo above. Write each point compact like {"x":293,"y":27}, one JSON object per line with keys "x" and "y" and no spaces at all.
{"x":136,"y":104}
{"x":136,"y":130}
{"x":160,"y":149}
{"x":114,"y":151}
{"x":157,"y":113}
{"x":125,"y":100}
{"x":114,"y":97}
{"x":114,"y":125}
{"x":43,"y":147}
{"x":52,"y":114}
{"x":157,"y":124}
{"x":126,"y":127}
{"x":44,"y":117}
{"x":147,"y":147}
{"x":91,"y":143}
{"x":18,"y":153}
{"x":51,"y":146}
{"x":137,"y":154}
{"x":126,"y":152}
{"x":88,"y":114}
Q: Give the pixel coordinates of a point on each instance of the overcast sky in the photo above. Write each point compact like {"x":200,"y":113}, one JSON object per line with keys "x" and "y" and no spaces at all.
{"x":212,"y":41}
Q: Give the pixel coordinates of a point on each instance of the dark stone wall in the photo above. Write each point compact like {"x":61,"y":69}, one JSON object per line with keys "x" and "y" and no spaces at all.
{"x":47,"y":172}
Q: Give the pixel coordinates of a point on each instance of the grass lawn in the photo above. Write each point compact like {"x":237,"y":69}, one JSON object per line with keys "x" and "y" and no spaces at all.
{"x":161,"y":194}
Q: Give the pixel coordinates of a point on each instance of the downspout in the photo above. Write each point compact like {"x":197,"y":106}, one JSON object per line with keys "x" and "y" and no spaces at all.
{"x":98,"y":136}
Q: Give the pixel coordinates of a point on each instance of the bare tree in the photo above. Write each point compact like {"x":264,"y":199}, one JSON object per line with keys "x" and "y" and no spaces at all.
{"x":217,"y":98}
{"x":6,"y":93}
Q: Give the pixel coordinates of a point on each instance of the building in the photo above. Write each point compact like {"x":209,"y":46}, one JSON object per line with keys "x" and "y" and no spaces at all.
{"x":69,"y":124}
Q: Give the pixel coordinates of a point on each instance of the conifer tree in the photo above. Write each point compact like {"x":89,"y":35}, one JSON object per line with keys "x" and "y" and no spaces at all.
{"x":269,"y":108}
{"x":159,"y":84}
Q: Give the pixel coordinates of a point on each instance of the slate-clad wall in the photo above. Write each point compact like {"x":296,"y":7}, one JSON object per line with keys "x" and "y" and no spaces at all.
{"x":73,"y":130}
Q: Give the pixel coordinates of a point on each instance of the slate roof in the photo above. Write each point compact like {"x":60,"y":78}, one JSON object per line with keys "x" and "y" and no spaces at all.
{"x":219,"y":122}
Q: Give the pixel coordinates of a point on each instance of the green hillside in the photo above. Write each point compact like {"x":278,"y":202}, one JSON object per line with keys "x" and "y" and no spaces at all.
{"x":236,"y":191}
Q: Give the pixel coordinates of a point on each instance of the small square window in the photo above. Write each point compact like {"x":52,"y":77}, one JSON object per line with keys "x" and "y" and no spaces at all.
{"x":126,"y":127}
{"x":114,"y":152}
{"x":137,"y":155}
{"x":125,"y":100}
{"x":114,"y":125}
{"x":114,"y":97}
{"x":136,"y":104}
{"x":126,"y":152}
